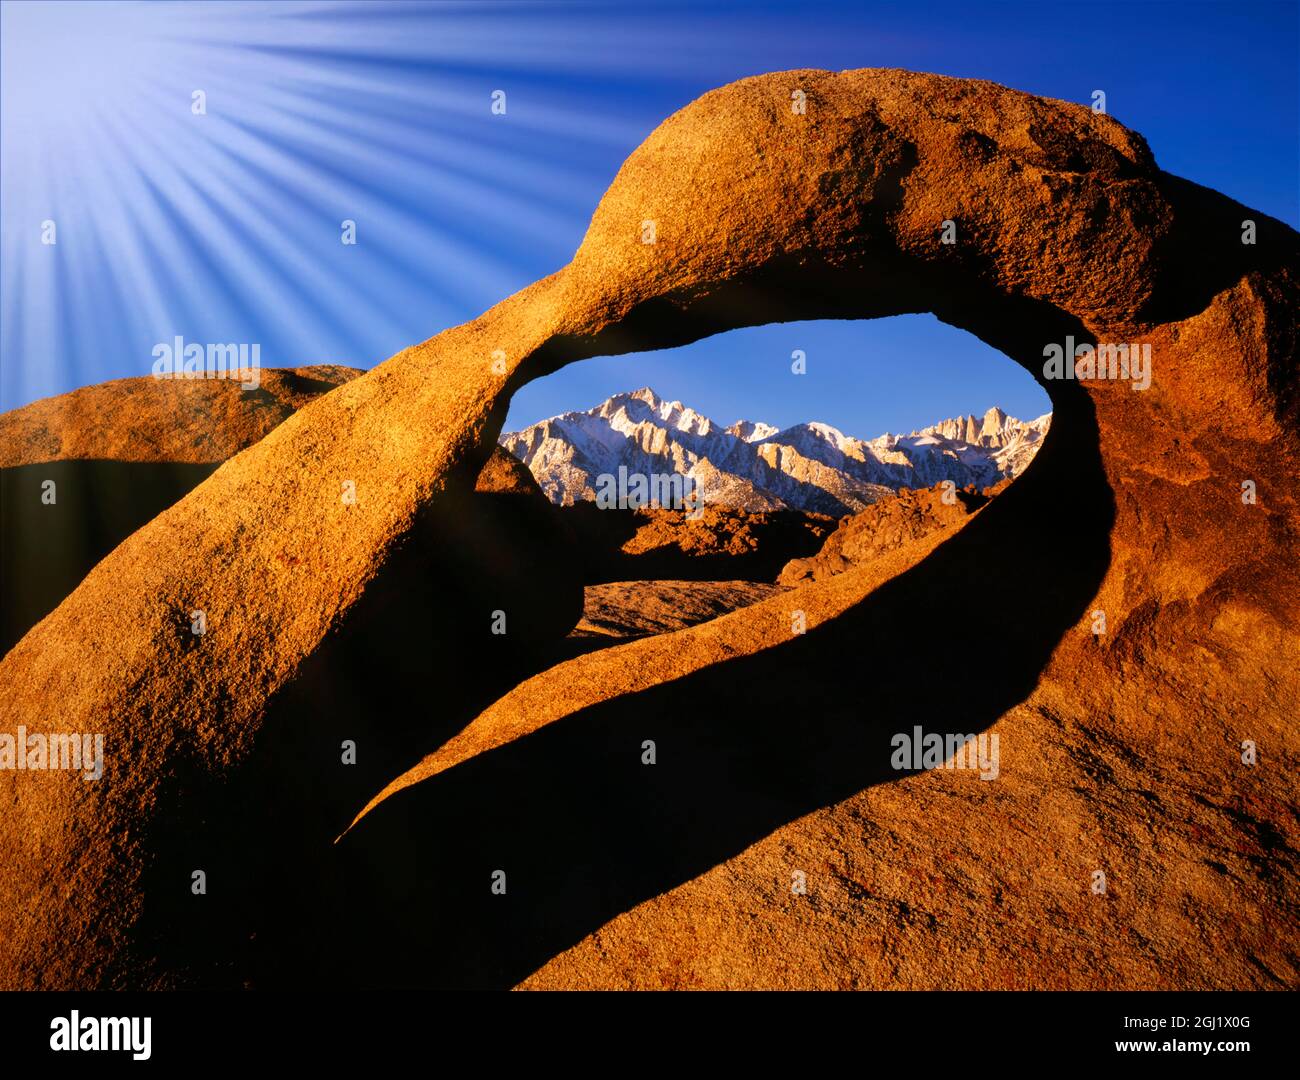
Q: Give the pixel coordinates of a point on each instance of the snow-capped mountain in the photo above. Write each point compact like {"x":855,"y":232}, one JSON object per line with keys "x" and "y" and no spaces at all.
{"x":759,"y":467}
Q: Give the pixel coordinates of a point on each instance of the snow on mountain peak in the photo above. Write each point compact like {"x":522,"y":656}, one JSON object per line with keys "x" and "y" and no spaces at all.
{"x":830,"y":434}
{"x":645,"y":395}
{"x":750,"y":432}
{"x":811,"y":466}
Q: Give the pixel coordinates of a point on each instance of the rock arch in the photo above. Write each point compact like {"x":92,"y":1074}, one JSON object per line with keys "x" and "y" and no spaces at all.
{"x":1066,"y":226}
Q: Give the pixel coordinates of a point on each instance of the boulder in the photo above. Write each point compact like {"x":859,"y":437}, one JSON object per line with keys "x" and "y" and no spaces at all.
{"x":716,"y":542}
{"x":144,"y":419}
{"x":883,"y":526}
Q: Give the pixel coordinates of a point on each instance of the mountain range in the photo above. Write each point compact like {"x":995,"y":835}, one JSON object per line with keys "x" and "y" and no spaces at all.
{"x":756,"y":466}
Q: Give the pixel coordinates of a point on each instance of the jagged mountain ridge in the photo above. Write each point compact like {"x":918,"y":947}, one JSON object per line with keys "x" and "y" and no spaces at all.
{"x":755,"y":466}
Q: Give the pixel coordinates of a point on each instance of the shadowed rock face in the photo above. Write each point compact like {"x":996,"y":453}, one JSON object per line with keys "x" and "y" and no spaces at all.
{"x":1066,"y":226}
{"x":120,"y":453}
{"x":500,"y":546}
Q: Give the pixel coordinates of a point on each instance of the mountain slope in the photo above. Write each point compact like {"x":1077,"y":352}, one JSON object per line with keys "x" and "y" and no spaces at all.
{"x":756,"y":466}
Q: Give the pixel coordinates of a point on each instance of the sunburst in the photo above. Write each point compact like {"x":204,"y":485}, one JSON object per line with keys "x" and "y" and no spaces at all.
{"x":197,"y":163}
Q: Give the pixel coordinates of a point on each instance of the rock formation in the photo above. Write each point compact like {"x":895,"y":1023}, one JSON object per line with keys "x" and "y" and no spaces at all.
{"x":501,"y":547}
{"x":119,"y":453}
{"x":881,"y":527}
{"x":716,"y":543}
{"x":630,"y":609}
{"x":1122,"y":747}
{"x":82,"y":471}
{"x":188,"y":421}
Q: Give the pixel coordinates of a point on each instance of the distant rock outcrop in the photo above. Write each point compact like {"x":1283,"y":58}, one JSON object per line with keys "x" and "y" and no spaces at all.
{"x":718,"y":542}
{"x":881,"y":527}
{"x":189,"y":421}
{"x":1170,"y":511}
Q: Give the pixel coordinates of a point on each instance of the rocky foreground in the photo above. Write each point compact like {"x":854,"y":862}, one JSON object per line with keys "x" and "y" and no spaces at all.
{"x":725,"y":804}
{"x":888,"y":524}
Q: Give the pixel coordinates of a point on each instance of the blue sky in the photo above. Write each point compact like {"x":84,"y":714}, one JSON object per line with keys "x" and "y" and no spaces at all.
{"x":225,"y":227}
